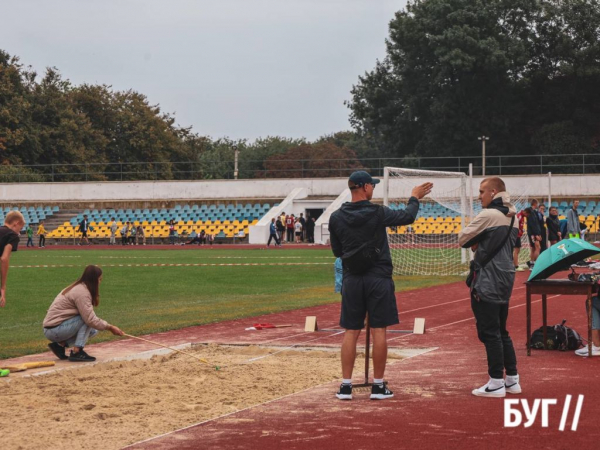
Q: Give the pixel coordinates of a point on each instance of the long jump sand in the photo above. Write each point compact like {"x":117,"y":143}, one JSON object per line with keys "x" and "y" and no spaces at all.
{"x":110,"y":405}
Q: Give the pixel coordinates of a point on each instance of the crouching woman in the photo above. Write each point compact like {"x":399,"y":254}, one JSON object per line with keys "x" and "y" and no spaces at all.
{"x":71,"y":320}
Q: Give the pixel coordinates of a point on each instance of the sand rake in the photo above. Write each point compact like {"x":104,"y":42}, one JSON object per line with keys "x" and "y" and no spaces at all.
{"x":174,"y":349}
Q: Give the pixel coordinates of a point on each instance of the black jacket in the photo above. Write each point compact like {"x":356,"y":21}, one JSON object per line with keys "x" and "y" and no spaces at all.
{"x":358,"y":222}
{"x":553,"y":225}
{"x":534,"y":227}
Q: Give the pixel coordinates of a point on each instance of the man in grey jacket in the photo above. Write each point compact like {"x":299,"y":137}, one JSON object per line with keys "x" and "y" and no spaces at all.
{"x":573,"y":227}
{"x":356,"y":224}
{"x":493,"y":283}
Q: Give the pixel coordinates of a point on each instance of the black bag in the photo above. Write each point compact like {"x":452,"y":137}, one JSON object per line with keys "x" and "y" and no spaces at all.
{"x":364,"y":257}
{"x":472,"y":265}
{"x":568,"y":338}
{"x":537,"y":339}
{"x":558,"y":337}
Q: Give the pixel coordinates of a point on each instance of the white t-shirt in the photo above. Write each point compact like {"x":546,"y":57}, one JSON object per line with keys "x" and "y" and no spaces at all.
{"x":298,"y":227}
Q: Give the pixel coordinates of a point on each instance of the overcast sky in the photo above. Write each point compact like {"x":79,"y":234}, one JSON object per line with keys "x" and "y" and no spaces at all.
{"x":237,"y":68}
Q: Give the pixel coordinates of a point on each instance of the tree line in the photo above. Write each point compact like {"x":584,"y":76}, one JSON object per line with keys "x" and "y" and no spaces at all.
{"x":59,"y":130}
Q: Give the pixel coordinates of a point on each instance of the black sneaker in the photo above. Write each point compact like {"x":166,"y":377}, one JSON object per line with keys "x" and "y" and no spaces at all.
{"x":81,"y":356}
{"x":380,"y":392}
{"x":58,"y":350}
{"x":345,"y":392}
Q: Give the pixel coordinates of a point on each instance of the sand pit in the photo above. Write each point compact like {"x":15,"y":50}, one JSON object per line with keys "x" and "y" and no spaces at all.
{"x":110,"y":405}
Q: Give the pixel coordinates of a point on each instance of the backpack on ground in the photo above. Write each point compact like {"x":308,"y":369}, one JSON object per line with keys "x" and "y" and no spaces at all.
{"x":558,"y":337}
{"x":568,"y":338}
{"x":537,"y":339}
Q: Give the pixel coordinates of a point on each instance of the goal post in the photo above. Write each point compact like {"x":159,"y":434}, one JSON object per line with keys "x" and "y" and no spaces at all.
{"x":430,"y":245}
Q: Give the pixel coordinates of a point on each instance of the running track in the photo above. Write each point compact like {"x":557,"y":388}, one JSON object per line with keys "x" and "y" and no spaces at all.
{"x":433,"y":407}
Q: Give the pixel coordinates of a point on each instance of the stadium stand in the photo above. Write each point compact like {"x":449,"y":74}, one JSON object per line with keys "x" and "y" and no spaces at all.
{"x":31,"y":214}
{"x":228,"y":220}
{"x":436,"y":219}
{"x":225,"y":221}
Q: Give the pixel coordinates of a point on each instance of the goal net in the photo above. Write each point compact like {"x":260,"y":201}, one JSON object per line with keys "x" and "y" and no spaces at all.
{"x":430,"y":245}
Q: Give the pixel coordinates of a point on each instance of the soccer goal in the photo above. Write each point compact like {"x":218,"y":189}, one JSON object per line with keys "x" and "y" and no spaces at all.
{"x":430,"y":245}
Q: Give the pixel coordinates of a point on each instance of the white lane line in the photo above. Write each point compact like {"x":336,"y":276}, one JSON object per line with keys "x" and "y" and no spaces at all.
{"x":470,"y":318}
{"x":446,"y":303}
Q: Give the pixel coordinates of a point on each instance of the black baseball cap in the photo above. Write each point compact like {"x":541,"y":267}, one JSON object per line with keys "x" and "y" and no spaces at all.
{"x":360,"y":178}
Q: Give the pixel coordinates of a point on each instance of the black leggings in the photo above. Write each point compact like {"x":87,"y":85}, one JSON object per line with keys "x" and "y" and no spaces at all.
{"x":42,"y":240}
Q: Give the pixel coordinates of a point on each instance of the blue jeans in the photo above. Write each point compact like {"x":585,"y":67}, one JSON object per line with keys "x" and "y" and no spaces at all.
{"x":595,"y":313}
{"x":73,"y":331}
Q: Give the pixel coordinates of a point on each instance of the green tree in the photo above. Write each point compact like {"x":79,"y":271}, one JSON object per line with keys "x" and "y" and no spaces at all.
{"x":456,"y":69}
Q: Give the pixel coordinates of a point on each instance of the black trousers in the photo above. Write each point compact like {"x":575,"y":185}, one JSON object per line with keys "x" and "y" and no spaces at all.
{"x":543,"y":244}
{"x":42,"y":240}
{"x":290,"y":235}
{"x":491,"y":329}
{"x":271,"y":237}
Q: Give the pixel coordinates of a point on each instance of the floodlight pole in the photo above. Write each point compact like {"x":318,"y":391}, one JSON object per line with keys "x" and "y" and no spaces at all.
{"x":483,"y":139}
{"x":235,"y":166}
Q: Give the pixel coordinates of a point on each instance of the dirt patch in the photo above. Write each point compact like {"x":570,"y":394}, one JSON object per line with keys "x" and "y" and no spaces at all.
{"x":110,"y":405}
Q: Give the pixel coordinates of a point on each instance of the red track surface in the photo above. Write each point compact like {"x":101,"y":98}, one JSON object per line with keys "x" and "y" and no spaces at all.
{"x":433,"y":406}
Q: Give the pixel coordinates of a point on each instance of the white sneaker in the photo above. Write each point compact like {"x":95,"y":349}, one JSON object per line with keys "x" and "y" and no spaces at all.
{"x":514,"y":388}
{"x":585,"y":352}
{"x":519,"y":269}
{"x":486,"y":391}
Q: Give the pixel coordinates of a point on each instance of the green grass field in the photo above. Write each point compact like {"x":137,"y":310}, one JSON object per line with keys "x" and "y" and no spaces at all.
{"x":144,"y":299}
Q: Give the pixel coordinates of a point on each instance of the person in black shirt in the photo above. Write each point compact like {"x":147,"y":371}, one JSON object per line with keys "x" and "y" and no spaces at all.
{"x":84,"y":226}
{"x":303,"y":222}
{"x":553,"y":224}
{"x":9,"y":242}
{"x":310,"y":230}
{"x":280,"y":229}
{"x":542,"y":218}
{"x":356,"y":224}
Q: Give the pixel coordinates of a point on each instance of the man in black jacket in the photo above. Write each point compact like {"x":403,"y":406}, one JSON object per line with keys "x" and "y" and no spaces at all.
{"x":84,"y":226}
{"x":351,"y":227}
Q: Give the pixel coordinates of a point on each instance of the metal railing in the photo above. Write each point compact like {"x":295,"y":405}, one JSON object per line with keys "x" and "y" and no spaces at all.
{"x":304,"y":168}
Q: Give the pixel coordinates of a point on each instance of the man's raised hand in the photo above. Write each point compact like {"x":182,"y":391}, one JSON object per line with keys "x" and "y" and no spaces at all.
{"x":422,"y":190}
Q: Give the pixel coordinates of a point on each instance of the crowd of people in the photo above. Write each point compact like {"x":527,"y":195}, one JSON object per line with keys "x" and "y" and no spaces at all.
{"x":289,"y":228}
{"x":544,"y":230}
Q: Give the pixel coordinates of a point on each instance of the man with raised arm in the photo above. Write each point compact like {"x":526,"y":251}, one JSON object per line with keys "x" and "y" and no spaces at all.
{"x":358,"y":236}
